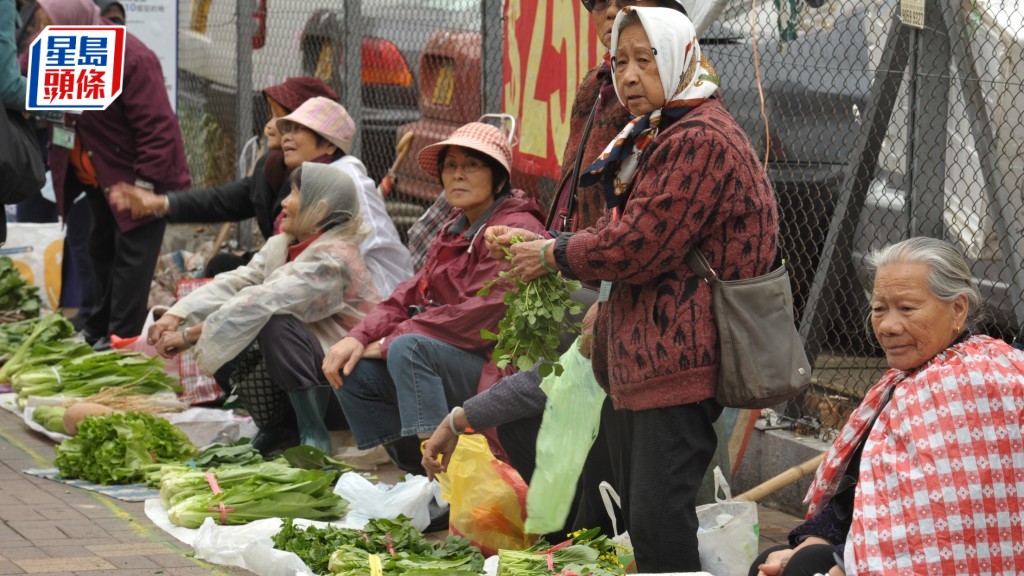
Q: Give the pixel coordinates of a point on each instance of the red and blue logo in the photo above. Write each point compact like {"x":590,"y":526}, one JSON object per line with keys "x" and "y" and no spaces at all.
{"x":75,"y":68}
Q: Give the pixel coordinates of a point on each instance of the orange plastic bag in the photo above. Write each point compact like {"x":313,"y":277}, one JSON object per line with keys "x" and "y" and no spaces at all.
{"x":487,"y":498}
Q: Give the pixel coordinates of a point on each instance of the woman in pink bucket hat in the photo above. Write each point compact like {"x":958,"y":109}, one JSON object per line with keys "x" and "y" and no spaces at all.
{"x":321,"y":130}
{"x":419,"y":353}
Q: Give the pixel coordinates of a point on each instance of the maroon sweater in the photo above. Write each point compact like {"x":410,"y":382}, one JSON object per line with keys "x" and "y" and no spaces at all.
{"x":698,"y":183}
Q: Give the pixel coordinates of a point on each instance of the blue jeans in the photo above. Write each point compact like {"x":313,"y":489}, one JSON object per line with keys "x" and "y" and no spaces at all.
{"x":410,"y":392}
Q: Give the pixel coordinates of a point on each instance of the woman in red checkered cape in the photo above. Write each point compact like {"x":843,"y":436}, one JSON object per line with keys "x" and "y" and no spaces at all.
{"x":927,"y":476}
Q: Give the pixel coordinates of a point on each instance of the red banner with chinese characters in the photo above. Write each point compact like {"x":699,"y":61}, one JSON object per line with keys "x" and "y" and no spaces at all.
{"x":549,"y":47}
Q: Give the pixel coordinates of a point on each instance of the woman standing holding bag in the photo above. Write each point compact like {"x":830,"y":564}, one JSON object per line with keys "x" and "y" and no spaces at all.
{"x":681,"y":174}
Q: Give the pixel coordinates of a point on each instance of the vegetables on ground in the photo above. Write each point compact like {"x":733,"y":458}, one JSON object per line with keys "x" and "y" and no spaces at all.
{"x":398,"y":546}
{"x":49,"y":417}
{"x":116,"y":448}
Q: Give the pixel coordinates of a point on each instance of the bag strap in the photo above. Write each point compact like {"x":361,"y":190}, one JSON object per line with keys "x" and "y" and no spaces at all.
{"x":721,"y":485}
{"x":609,"y":495}
{"x":574,"y":176}
{"x":699,"y":264}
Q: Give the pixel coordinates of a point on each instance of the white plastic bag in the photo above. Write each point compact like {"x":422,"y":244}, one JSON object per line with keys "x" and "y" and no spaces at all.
{"x":728,"y":533}
{"x":368,"y":500}
{"x":37,"y":251}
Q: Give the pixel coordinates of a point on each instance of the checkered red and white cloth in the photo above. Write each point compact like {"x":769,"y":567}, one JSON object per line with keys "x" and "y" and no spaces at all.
{"x":941,"y":482}
{"x":197,"y":388}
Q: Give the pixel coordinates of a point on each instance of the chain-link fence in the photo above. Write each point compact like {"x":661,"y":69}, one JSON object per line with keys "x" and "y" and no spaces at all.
{"x":872,"y":130}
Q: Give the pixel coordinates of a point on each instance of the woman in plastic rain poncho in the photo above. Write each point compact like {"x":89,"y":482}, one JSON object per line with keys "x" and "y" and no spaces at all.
{"x":298,"y":295}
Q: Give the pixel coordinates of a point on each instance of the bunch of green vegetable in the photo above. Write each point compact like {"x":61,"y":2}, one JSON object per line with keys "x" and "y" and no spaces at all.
{"x":15,"y":292}
{"x":42,"y":346}
{"x":239,"y":453}
{"x":282,"y":493}
{"x":88,"y":374}
{"x":587,"y":552}
{"x":12,"y":334}
{"x":182,"y":482}
{"x":311,"y":458}
{"x":117,"y":448}
{"x":50,"y":417}
{"x":538,"y":314}
{"x":398,"y":546}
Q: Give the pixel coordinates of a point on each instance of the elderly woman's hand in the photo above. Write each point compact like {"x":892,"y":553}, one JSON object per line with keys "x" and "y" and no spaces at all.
{"x":499,"y":238}
{"x":341,"y":359}
{"x":775,"y":563}
{"x":526,"y":260}
{"x":438,"y":450}
{"x":166,"y":323}
{"x":587,"y":330}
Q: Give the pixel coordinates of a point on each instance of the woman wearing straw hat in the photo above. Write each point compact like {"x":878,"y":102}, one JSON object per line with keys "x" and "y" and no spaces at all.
{"x":419,"y":352}
{"x":297,"y":296}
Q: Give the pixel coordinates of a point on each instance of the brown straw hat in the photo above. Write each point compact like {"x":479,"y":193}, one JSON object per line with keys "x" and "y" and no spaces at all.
{"x":483,"y":138}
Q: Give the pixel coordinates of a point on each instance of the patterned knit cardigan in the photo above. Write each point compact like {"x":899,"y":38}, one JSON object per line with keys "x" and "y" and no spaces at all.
{"x":698,"y":183}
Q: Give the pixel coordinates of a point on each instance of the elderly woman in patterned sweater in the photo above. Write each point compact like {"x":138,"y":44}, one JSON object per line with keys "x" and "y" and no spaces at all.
{"x":682,"y":174}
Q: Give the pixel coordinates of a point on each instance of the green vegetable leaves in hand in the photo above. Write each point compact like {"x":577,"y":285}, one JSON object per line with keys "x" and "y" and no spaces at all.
{"x":539,"y":312}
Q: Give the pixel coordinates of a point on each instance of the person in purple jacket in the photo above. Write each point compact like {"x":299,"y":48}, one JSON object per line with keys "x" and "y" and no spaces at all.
{"x":137,"y":141}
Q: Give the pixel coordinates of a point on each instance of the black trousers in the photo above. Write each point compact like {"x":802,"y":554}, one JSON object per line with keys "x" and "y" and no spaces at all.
{"x":808,"y":561}
{"x":659,"y":457}
{"x":123,"y":265}
{"x":291,"y":357}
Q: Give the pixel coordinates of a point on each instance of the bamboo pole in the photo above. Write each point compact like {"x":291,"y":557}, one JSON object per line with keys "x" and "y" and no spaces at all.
{"x":773,"y":485}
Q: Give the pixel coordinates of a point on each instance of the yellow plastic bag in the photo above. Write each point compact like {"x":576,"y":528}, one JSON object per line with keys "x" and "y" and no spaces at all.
{"x":487,"y":498}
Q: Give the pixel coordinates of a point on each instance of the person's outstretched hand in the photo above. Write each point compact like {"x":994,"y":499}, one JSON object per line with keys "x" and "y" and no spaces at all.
{"x":341,"y":359}
{"x":438,"y":450}
{"x":141,"y":202}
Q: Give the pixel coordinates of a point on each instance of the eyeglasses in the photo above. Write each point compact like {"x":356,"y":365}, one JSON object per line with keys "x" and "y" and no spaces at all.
{"x":471,"y":166}
{"x":602,"y":5}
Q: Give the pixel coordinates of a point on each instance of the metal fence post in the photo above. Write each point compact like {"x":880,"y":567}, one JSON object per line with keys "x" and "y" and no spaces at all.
{"x":930,"y":106}
{"x":245,"y":27}
{"x":492,"y":15}
{"x":354,"y":67}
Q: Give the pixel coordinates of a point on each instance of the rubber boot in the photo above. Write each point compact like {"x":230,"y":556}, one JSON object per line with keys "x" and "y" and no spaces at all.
{"x":310,"y":406}
{"x":405,"y":453}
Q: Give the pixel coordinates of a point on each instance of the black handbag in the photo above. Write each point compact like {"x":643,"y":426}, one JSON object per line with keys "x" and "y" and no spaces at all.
{"x":762,"y":361}
{"x":22,"y":171}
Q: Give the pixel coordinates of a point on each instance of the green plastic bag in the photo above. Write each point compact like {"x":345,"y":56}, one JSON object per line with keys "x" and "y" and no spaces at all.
{"x":570,"y":424}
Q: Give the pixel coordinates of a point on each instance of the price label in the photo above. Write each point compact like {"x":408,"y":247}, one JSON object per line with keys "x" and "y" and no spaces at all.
{"x":912,"y":13}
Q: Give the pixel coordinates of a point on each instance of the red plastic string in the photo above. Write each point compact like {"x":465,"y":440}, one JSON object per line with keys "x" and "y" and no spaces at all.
{"x":223,"y":511}
{"x":391,"y":545}
{"x":212,"y":480}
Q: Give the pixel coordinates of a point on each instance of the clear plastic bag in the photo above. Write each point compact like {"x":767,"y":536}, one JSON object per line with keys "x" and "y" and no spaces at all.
{"x":572,"y":417}
{"x":728,"y":533}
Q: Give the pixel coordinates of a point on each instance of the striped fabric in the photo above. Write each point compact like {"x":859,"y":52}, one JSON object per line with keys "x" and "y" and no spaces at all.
{"x":197,"y":387}
{"x":941,"y":482}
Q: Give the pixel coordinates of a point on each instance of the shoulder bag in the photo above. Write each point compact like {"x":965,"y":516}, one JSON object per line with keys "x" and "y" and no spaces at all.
{"x":762,"y":360}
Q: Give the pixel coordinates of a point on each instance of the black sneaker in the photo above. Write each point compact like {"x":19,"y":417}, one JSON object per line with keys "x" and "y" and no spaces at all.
{"x":101,"y":344}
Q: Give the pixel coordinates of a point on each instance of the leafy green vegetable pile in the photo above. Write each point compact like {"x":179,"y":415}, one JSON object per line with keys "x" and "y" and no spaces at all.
{"x":250,"y":492}
{"x":239,"y":453}
{"x":538,"y":314}
{"x":88,"y":374}
{"x":43,"y":346}
{"x":50,"y":417}
{"x":397,"y":545}
{"x":15,"y":293}
{"x":588,"y":552}
{"x":117,"y":448}
{"x":12,"y":334}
